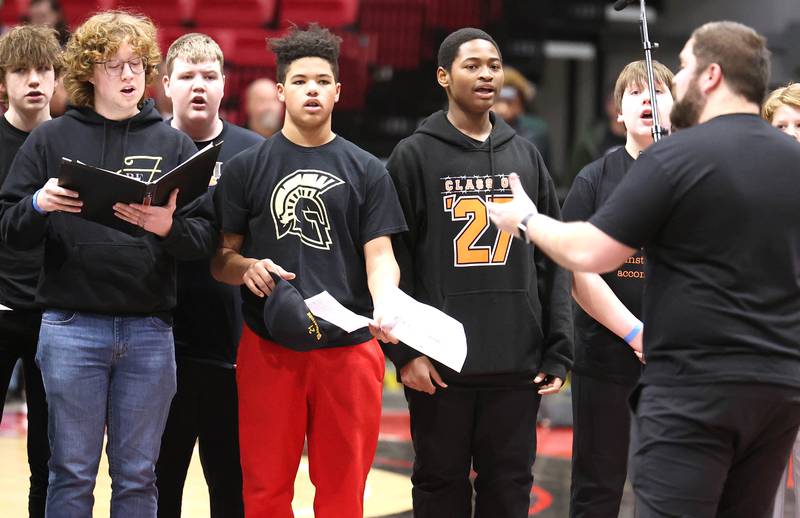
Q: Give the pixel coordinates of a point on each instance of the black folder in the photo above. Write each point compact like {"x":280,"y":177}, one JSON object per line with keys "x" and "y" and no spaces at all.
{"x":100,"y":189}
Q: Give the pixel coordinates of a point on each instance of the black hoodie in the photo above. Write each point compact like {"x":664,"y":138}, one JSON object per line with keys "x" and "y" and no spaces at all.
{"x":514,"y":302}
{"x":87,"y":266}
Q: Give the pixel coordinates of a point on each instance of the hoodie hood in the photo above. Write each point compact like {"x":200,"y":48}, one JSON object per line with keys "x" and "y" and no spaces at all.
{"x":147,"y":115}
{"x":439,"y":127}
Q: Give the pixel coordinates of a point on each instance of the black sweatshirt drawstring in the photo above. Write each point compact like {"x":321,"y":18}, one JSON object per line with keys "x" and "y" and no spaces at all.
{"x":102,"y":162}
{"x":491,"y":156}
{"x":125,"y":143}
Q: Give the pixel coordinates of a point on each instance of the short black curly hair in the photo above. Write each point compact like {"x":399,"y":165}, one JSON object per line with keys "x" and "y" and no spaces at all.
{"x":315,"y":41}
{"x":448,"y":50}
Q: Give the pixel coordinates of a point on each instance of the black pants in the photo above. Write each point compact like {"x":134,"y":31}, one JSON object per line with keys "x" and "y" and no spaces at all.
{"x":204,"y":409}
{"x":19,"y":334}
{"x":601,"y":433}
{"x":492,"y":431}
{"x":712,"y":450}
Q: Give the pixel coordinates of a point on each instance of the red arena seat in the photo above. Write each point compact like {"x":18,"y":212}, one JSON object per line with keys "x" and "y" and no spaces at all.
{"x":453,"y":14}
{"x":163,"y":12}
{"x":235,"y":13}
{"x":397,"y":27}
{"x":77,"y":11}
{"x":168,"y":34}
{"x":11,"y":11}
{"x":328,"y":13}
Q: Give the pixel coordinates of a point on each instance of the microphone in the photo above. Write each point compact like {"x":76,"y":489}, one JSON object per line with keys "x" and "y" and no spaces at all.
{"x":619,"y":5}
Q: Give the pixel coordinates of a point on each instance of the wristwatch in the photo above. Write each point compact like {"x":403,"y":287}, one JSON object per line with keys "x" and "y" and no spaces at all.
{"x":523,"y":227}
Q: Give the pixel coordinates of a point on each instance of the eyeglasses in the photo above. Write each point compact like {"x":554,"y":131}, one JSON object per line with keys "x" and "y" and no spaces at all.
{"x":114,"y":67}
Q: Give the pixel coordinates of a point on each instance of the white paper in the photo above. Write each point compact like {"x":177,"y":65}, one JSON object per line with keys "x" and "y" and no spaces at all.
{"x":325,"y":306}
{"x":421,"y":327}
{"x":429,"y":331}
{"x":4,"y":308}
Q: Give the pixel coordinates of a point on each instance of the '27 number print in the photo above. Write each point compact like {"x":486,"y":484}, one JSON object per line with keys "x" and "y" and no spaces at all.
{"x":472,"y":210}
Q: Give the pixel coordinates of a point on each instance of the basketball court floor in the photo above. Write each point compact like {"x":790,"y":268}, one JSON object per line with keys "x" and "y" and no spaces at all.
{"x":388,"y":493}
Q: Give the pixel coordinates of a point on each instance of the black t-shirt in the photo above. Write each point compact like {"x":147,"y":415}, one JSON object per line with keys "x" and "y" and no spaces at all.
{"x":311,"y":210}
{"x":208,"y":316}
{"x":717,"y":208}
{"x":599,"y":352}
{"x":610,"y":142}
{"x":19,"y":269}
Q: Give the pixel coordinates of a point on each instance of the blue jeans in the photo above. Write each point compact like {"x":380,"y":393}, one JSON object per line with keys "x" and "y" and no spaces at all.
{"x":104,"y":371}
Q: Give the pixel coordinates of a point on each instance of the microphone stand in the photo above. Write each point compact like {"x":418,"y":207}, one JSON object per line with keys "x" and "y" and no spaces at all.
{"x":648,"y":46}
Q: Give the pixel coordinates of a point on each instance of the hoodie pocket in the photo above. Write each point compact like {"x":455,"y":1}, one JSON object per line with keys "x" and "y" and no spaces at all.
{"x":504,"y":334}
{"x":114,"y":262}
{"x":121,"y":276}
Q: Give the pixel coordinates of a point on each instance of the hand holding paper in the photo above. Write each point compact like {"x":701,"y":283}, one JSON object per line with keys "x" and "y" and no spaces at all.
{"x":430,"y":331}
{"x":383,"y":322}
{"x":419,"y":326}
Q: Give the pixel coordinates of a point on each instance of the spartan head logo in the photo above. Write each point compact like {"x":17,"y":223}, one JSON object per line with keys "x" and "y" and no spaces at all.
{"x":297,"y":207}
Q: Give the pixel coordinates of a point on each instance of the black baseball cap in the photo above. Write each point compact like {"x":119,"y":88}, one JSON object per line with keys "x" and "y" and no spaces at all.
{"x":289,"y":321}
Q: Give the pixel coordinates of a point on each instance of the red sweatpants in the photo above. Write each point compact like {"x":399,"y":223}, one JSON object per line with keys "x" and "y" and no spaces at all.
{"x":333,"y":396}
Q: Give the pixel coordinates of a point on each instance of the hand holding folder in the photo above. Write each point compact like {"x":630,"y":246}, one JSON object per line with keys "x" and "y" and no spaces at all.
{"x":100,"y":190}
{"x":151,"y":218}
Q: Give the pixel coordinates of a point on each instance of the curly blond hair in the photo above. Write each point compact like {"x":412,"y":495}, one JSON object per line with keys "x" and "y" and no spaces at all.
{"x":788,"y":95}
{"x":98,"y":39}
